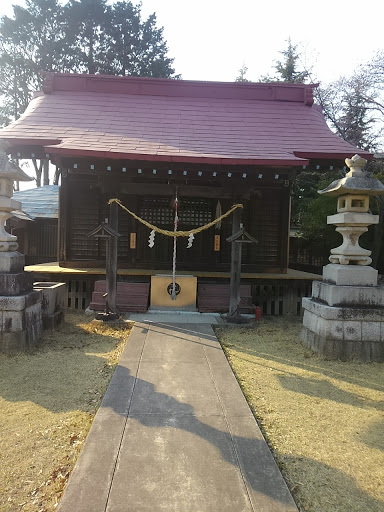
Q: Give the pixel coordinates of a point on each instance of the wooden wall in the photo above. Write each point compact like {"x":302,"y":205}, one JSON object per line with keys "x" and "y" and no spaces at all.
{"x":83,"y":206}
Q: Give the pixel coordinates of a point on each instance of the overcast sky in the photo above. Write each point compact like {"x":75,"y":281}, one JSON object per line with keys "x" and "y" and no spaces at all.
{"x":212,"y":39}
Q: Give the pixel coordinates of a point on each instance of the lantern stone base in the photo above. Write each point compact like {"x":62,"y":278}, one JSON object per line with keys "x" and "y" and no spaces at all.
{"x":345,"y":322}
{"x":21,"y":324}
{"x":350,"y":275}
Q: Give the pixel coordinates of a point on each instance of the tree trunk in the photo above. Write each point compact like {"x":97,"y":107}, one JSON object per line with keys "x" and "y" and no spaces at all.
{"x":45,"y":171}
{"x":57,"y":176}
{"x":38,"y":170}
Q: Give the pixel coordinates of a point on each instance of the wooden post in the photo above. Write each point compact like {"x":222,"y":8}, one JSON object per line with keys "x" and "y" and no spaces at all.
{"x":235,"y":268}
{"x":63,"y":225}
{"x":111,"y":259}
{"x":46,"y":171}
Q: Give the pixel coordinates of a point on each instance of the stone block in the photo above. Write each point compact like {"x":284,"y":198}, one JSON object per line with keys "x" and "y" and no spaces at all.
{"x":13,"y":321}
{"x":16,"y":284}
{"x":377,"y":351}
{"x":33,"y":297}
{"x":352,"y":331}
{"x":52,"y":322}
{"x":12,"y":262}
{"x":332,"y":349}
{"x":34,"y":332}
{"x":307,"y":319}
{"x":342,"y":296}
{"x":332,"y":329}
{"x":350,"y":275}
{"x":16,"y":303}
{"x":21,"y":327}
{"x":370,"y":314}
{"x":9,"y":204}
{"x":53,"y":296}
{"x":353,"y":218}
{"x":371,"y":331}
{"x":33,"y":314}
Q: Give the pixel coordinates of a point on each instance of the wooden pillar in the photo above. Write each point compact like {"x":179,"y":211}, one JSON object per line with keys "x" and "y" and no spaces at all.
{"x":46,"y":171}
{"x":63,"y":225}
{"x":111,"y":259}
{"x":235,"y":268}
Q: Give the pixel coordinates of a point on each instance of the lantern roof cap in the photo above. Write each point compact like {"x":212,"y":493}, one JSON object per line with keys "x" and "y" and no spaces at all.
{"x":356,"y":181}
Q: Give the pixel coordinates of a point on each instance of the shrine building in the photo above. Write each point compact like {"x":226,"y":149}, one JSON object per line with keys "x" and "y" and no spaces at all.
{"x":146,"y":141}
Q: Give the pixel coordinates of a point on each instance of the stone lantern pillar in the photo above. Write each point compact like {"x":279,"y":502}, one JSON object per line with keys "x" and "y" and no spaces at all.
{"x":344,"y":318}
{"x":20,"y":305}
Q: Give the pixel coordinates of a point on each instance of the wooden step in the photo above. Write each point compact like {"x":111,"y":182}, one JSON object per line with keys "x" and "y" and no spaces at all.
{"x":214,"y":298}
{"x":130,"y":297}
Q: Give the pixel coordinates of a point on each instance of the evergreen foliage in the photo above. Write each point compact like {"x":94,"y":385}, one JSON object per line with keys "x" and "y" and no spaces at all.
{"x":242,"y":72}
{"x":288,"y":70}
{"x":83,"y":36}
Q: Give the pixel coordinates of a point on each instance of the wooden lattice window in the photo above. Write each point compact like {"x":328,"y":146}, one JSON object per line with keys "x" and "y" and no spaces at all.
{"x":195,"y":212}
{"x":192,"y":212}
{"x":157,"y":211}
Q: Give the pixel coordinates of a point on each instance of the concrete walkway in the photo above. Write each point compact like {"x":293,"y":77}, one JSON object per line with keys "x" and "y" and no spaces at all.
{"x":174,"y":433}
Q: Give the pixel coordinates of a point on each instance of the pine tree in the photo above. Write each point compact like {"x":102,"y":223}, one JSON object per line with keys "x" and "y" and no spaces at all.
{"x":288,"y":69}
{"x":242,"y":72}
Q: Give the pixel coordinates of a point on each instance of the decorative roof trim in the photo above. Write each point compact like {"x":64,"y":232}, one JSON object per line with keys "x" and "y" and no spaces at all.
{"x":115,"y":155}
{"x":275,"y":91}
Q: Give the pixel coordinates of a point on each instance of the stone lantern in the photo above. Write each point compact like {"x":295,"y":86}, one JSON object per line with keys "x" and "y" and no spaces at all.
{"x":20,"y":305}
{"x":344,"y":318}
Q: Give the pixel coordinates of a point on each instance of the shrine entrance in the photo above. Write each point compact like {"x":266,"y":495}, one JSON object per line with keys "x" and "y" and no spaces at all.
{"x":192,"y":213}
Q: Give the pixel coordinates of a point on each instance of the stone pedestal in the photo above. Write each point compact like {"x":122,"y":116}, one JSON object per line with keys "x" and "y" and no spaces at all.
{"x":345,"y":322}
{"x":20,"y":306}
{"x":21,"y":323}
{"x":344,"y":318}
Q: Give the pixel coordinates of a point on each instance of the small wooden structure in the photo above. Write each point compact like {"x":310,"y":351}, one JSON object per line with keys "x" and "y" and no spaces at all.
{"x":141,"y":139}
{"x":238,"y":238}
{"x":36,"y":225}
{"x":111,"y":236}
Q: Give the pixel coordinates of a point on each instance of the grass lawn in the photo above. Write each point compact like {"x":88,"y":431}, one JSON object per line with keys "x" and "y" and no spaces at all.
{"x":323,"y":419}
{"x":48,"y":399}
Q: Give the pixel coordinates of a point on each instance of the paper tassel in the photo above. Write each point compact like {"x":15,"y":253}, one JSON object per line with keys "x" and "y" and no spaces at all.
{"x":190,"y":240}
{"x":151,"y":241}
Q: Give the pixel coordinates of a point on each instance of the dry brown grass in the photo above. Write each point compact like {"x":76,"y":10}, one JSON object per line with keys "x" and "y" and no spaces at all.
{"x":48,"y":399}
{"x":323,"y":419}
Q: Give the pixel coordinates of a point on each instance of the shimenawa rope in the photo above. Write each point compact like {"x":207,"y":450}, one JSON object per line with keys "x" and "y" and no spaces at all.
{"x":166,"y":232}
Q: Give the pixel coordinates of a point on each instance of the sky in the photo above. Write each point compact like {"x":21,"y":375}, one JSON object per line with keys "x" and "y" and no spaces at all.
{"x":213,"y":39}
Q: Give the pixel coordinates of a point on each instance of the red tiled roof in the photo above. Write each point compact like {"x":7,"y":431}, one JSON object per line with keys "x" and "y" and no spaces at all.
{"x":179,"y":121}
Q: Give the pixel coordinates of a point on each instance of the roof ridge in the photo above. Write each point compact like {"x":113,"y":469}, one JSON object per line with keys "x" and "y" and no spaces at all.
{"x":131,"y":85}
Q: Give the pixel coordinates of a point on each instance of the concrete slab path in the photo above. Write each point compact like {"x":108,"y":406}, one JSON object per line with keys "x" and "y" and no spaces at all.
{"x":174,"y":433}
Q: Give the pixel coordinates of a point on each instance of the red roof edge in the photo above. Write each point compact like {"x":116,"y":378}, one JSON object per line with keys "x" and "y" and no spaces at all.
{"x":70,"y":82}
{"x":286,"y":162}
{"x":14,"y":142}
{"x":334,"y":155}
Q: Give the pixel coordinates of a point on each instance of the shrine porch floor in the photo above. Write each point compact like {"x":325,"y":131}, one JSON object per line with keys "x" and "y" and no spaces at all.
{"x":174,"y":432}
{"x":54,"y":268}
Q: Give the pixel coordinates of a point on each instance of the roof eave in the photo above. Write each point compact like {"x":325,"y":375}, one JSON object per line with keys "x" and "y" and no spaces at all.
{"x":115,"y":155}
{"x":333,"y":155}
